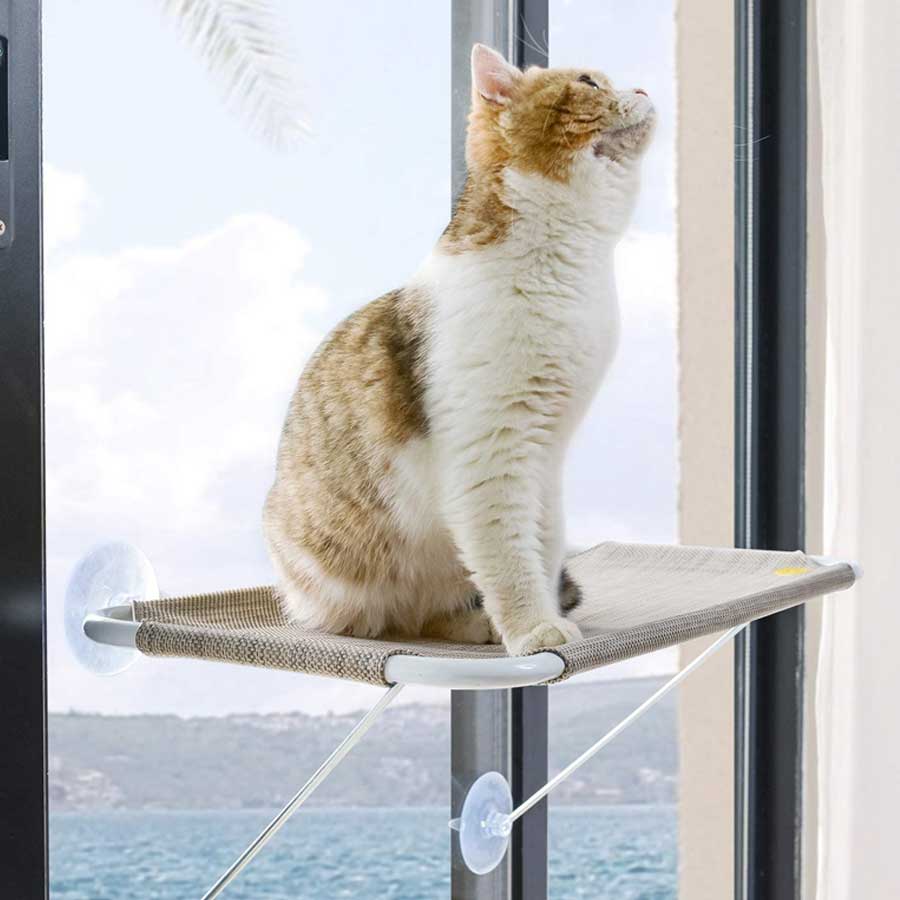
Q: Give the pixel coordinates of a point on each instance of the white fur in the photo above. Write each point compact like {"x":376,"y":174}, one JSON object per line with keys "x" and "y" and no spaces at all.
{"x":541,"y":305}
{"x":520,"y":335}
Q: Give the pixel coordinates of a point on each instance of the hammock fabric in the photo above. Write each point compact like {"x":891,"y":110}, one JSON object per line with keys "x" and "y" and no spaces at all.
{"x":637,"y":598}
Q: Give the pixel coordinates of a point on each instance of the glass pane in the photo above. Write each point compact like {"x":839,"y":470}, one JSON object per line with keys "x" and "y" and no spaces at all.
{"x":191,"y":269}
{"x":614,"y":832}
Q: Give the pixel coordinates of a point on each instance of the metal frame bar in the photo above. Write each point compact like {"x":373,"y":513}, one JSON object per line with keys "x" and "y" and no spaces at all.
{"x":23,"y":755}
{"x":528,"y":852}
{"x":23,"y":784}
{"x":770,"y":286}
{"x":505,"y":731}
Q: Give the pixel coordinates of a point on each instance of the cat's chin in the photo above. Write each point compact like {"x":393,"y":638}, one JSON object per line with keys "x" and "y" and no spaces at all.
{"x":628,"y":141}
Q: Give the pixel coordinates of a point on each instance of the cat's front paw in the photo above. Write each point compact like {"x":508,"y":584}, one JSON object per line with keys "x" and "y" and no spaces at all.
{"x":550,"y":633}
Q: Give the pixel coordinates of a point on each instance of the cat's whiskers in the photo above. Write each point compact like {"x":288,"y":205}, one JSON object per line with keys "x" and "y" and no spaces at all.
{"x":531,"y":41}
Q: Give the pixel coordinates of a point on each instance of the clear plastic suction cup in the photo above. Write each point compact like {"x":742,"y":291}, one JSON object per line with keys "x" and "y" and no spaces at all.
{"x":485,"y":825}
{"x":111,"y":575}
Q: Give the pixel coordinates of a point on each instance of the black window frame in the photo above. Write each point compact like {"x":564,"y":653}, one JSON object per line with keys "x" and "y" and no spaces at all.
{"x":23,"y":752}
{"x":770,"y":428}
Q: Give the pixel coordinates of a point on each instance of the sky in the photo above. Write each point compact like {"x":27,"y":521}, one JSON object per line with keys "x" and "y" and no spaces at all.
{"x":191,"y":270}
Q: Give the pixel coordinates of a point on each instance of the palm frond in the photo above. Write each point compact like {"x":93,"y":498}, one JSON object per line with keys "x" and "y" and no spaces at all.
{"x":239,"y":42}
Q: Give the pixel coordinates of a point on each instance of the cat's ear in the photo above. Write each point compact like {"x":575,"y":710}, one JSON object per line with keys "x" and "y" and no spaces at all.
{"x":492,"y":76}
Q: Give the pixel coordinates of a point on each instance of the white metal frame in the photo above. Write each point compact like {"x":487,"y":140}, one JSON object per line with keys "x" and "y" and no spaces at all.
{"x":116,"y":626}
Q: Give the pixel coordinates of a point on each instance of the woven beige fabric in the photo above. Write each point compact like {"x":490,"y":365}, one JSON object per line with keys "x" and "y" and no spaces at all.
{"x":637,"y":598}
{"x":642,"y":597}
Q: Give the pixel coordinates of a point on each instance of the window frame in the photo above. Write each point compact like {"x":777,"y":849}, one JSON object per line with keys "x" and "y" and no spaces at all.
{"x":23,"y":755}
{"x":770,"y":427}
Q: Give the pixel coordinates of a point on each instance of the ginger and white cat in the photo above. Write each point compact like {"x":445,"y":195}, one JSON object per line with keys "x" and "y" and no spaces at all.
{"x":419,"y":478}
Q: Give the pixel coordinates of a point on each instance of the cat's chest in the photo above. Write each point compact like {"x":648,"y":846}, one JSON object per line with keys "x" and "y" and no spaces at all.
{"x":574,"y":322}
{"x":526,"y":305}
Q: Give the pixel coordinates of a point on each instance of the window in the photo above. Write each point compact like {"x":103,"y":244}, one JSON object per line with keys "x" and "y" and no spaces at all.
{"x":163,"y":215}
{"x":190,"y":270}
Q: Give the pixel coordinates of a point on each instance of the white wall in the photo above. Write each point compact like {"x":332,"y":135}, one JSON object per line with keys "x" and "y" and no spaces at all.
{"x":705,"y":148}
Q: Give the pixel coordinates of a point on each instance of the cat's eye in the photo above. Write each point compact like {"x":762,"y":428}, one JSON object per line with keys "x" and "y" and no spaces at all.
{"x":586,"y":79}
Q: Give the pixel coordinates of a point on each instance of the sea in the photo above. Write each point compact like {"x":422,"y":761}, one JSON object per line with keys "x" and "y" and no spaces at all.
{"x":601,"y":853}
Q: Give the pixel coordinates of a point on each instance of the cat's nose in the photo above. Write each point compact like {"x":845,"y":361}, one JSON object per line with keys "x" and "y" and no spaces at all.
{"x":641,"y":91}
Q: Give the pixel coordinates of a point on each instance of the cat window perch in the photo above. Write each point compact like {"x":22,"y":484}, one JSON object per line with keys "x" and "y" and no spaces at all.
{"x":637,"y":598}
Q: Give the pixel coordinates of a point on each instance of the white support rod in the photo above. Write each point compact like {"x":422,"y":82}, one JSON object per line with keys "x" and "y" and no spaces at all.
{"x":342,"y":749}
{"x":672,"y":683}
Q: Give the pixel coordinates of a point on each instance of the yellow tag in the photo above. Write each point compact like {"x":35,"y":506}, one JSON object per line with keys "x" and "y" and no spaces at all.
{"x":792,"y":570}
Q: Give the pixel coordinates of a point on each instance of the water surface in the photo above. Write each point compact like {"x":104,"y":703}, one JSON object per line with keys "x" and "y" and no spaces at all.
{"x":601,"y":853}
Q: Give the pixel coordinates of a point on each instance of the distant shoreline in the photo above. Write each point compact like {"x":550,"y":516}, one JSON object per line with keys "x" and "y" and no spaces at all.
{"x":246,"y":762}
{"x":328,"y":810}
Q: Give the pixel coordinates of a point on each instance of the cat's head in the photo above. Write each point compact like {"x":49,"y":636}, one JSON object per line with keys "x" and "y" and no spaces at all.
{"x":551,"y":122}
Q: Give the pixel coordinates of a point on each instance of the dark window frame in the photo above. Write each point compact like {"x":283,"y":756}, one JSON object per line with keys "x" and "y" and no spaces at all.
{"x":770,"y":407}
{"x":23,"y":752}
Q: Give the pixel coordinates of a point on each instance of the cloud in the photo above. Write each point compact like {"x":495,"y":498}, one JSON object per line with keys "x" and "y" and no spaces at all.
{"x":168,"y":372}
{"x":67,"y":202}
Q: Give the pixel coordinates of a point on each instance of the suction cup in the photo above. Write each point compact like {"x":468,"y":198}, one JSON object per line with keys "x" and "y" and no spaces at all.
{"x":484,"y":826}
{"x":111,"y":575}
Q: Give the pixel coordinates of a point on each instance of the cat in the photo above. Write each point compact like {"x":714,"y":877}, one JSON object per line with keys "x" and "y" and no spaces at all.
{"x":418,"y":488}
